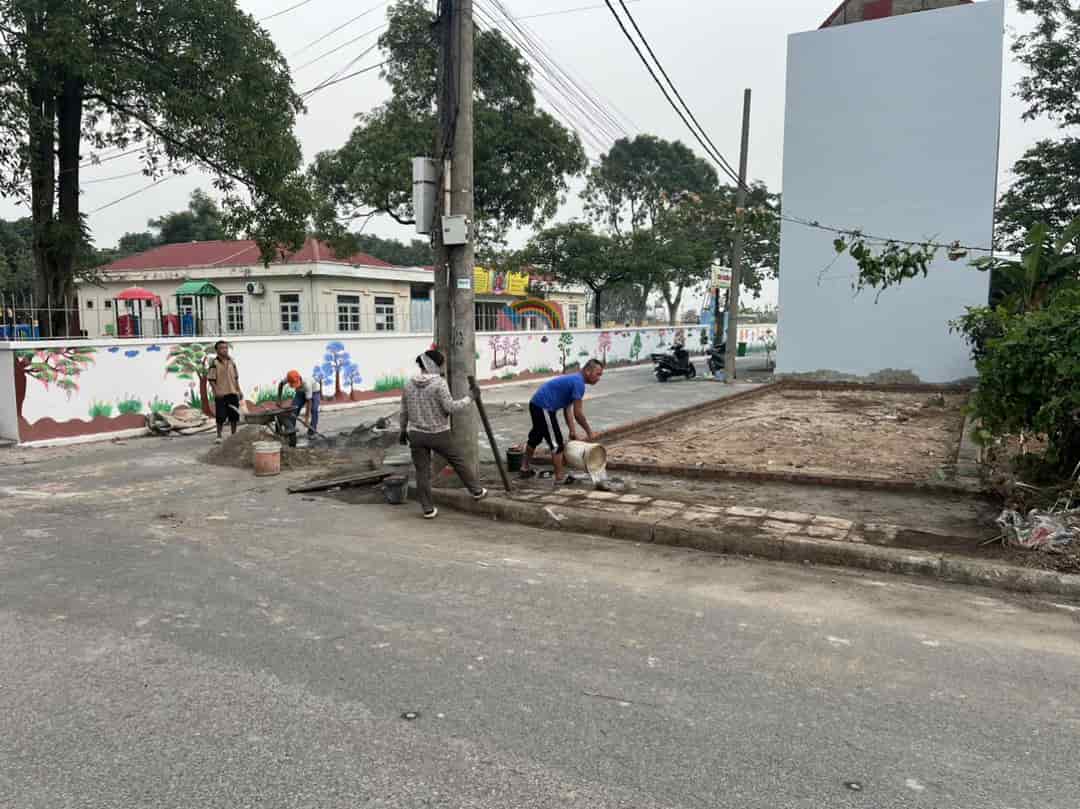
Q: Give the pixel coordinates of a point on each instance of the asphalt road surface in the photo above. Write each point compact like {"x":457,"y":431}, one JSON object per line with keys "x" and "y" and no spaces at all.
{"x":178,"y":635}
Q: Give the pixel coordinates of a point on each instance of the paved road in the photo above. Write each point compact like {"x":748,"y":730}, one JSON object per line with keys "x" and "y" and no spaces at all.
{"x":176,"y":635}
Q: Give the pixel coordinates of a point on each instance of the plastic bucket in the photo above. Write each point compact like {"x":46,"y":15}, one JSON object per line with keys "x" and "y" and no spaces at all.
{"x":267,"y":458}
{"x":591,"y":458}
{"x":514,"y":456}
{"x":395,"y":488}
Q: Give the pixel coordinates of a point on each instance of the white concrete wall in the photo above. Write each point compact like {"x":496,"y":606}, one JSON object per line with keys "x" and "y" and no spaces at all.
{"x":9,"y":424}
{"x":891,"y":127}
{"x":137,"y":373}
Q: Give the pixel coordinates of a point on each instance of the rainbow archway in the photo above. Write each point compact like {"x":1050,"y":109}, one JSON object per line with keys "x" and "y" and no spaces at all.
{"x":550,"y":312}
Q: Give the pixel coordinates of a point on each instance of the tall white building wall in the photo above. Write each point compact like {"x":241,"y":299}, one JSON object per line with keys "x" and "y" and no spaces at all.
{"x":891,"y":127}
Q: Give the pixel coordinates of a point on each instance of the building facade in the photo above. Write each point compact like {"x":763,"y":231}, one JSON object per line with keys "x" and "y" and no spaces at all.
{"x":311,"y":291}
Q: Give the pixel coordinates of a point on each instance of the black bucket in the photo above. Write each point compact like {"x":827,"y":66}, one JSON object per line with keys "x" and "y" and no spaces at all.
{"x":395,"y":488}
{"x":514,"y":456}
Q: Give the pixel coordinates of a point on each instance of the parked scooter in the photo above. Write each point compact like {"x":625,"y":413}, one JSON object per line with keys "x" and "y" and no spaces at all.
{"x":716,"y":358}
{"x":676,"y":363}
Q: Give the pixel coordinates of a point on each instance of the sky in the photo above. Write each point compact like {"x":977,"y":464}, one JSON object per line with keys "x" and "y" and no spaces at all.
{"x":711,"y":50}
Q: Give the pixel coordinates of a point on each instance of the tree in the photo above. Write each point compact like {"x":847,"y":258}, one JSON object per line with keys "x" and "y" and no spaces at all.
{"x":59,"y":367}
{"x":197,"y":82}
{"x":576,"y":255}
{"x":634,"y":192}
{"x":336,"y":361}
{"x":1047,"y":178}
{"x":414,"y":254}
{"x":203,"y":221}
{"x":523,"y":156}
{"x":16,"y":258}
{"x":1051,"y":53}
{"x":191,"y":363}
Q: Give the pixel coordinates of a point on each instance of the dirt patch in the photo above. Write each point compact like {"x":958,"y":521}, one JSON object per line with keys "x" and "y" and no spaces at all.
{"x":238,"y":451}
{"x":865,"y":434}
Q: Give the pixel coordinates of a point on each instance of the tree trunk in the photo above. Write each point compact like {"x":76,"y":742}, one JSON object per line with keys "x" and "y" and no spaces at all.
{"x":42,"y":147}
{"x":20,"y":385}
{"x":204,"y":397}
{"x":70,"y":235}
{"x":597,"y":319}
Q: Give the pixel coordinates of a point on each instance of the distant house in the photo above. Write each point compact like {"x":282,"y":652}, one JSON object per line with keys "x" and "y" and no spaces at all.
{"x":861,"y":10}
{"x":310,"y":291}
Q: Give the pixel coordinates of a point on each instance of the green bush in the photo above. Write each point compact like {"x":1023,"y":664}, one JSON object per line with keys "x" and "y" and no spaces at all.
{"x":1029,"y":379}
{"x":158,"y":406}
{"x":386,"y":384}
{"x":129,"y":406}
{"x":101,"y":409}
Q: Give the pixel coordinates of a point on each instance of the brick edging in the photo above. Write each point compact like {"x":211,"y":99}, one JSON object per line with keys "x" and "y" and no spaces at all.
{"x":793,"y":549}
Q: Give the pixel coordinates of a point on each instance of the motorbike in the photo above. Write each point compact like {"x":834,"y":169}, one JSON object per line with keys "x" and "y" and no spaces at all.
{"x":676,"y":363}
{"x":716,"y":358}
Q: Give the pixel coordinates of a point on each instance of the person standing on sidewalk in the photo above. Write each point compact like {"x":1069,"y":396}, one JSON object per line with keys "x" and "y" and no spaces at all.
{"x":224,"y":379}
{"x":565,"y":394}
{"x":426,"y":407}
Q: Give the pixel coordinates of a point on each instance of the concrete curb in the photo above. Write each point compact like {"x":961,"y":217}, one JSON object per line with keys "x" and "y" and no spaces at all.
{"x":750,"y":541}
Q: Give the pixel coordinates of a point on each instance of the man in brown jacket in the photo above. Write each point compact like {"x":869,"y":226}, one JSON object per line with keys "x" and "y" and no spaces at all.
{"x":224,"y":379}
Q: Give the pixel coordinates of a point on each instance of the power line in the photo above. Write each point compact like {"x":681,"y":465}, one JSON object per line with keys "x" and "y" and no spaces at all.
{"x":284,"y":10}
{"x":565,"y":11}
{"x":343,"y":25}
{"x":319,"y":87}
{"x":560,"y":103}
{"x":339,"y":47}
{"x":714,"y":153}
{"x":583,"y":113}
{"x":135,"y":193}
{"x":114,"y":177}
{"x":544,"y":53}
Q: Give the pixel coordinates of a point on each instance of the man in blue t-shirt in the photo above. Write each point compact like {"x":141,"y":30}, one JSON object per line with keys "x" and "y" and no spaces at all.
{"x":563,"y":393}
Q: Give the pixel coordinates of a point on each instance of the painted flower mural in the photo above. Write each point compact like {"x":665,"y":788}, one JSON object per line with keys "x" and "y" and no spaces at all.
{"x":603,"y":344}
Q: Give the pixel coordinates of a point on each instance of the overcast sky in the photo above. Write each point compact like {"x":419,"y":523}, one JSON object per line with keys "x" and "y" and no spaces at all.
{"x":712,"y":51}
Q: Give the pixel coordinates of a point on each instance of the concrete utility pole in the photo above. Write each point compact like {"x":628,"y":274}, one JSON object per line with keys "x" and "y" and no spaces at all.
{"x":737,"y":248}
{"x":454,"y":298}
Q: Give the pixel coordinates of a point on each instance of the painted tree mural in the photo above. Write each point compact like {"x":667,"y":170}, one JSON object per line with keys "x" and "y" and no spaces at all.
{"x":566,"y":341}
{"x":504,"y":351}
{"x":60,"y":368}
{"x":191,"y":362}
{"x":336,"y":361}
{"x":603,"y":345}
{"x":353,"y":379}
{"x":635,"y":347}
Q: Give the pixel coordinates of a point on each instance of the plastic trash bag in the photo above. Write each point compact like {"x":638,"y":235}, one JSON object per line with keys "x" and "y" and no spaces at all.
{"x":1041,"y":530}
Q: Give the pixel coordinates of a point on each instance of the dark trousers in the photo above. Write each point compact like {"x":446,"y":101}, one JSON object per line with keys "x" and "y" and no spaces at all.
{"x":422,"y":445}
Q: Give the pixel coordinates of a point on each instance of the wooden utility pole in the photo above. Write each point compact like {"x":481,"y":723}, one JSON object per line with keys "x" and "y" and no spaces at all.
{"x":737,"y":248}
{"x":454,"y":298}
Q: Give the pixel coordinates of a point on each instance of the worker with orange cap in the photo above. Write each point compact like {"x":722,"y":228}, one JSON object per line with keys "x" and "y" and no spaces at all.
{"x":307,"y":398}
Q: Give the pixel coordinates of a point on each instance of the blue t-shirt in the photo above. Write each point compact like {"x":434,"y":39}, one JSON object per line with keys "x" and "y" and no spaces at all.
{"x":559,"y":393}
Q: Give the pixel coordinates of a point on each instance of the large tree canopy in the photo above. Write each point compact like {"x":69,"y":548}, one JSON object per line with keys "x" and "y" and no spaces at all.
{"x":1045,"y":188}
{"x":523,"y":156}
{"x":186,"y":83}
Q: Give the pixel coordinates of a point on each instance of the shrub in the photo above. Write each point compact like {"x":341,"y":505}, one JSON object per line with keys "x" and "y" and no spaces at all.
{"x":1029,"y":380}
{"x":386,"y":384}
{"x":158,"y":406}
{"x":100,"y":409}
{"x":129,"y":406}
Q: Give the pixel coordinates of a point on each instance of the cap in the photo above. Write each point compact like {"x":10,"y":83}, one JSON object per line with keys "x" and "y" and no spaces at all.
{"x":293,"y":378}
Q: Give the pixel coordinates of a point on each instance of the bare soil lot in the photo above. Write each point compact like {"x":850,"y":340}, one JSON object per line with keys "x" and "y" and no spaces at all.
{"x":846,"y":433}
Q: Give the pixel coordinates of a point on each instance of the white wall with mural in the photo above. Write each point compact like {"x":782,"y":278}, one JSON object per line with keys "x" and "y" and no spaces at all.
{"x":63,"y":390}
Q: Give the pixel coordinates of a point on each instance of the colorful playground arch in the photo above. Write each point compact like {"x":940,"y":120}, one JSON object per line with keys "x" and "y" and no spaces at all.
{"x":550,"y":312}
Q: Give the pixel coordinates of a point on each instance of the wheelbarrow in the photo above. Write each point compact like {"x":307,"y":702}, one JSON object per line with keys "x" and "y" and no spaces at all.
{"x":281,"y":420}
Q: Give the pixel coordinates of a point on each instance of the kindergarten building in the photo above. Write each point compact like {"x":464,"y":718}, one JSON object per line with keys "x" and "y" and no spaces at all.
{"x":225,"y":288}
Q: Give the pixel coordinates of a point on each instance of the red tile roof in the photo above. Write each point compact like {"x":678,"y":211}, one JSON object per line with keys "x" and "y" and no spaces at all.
{"x":204,"y":255}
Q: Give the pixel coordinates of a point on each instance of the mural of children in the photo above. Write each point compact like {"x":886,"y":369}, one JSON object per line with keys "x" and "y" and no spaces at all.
{"x":224,"y":379}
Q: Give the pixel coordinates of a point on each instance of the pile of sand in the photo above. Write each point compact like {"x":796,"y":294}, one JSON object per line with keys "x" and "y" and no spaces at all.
{"x":239,"y":451}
